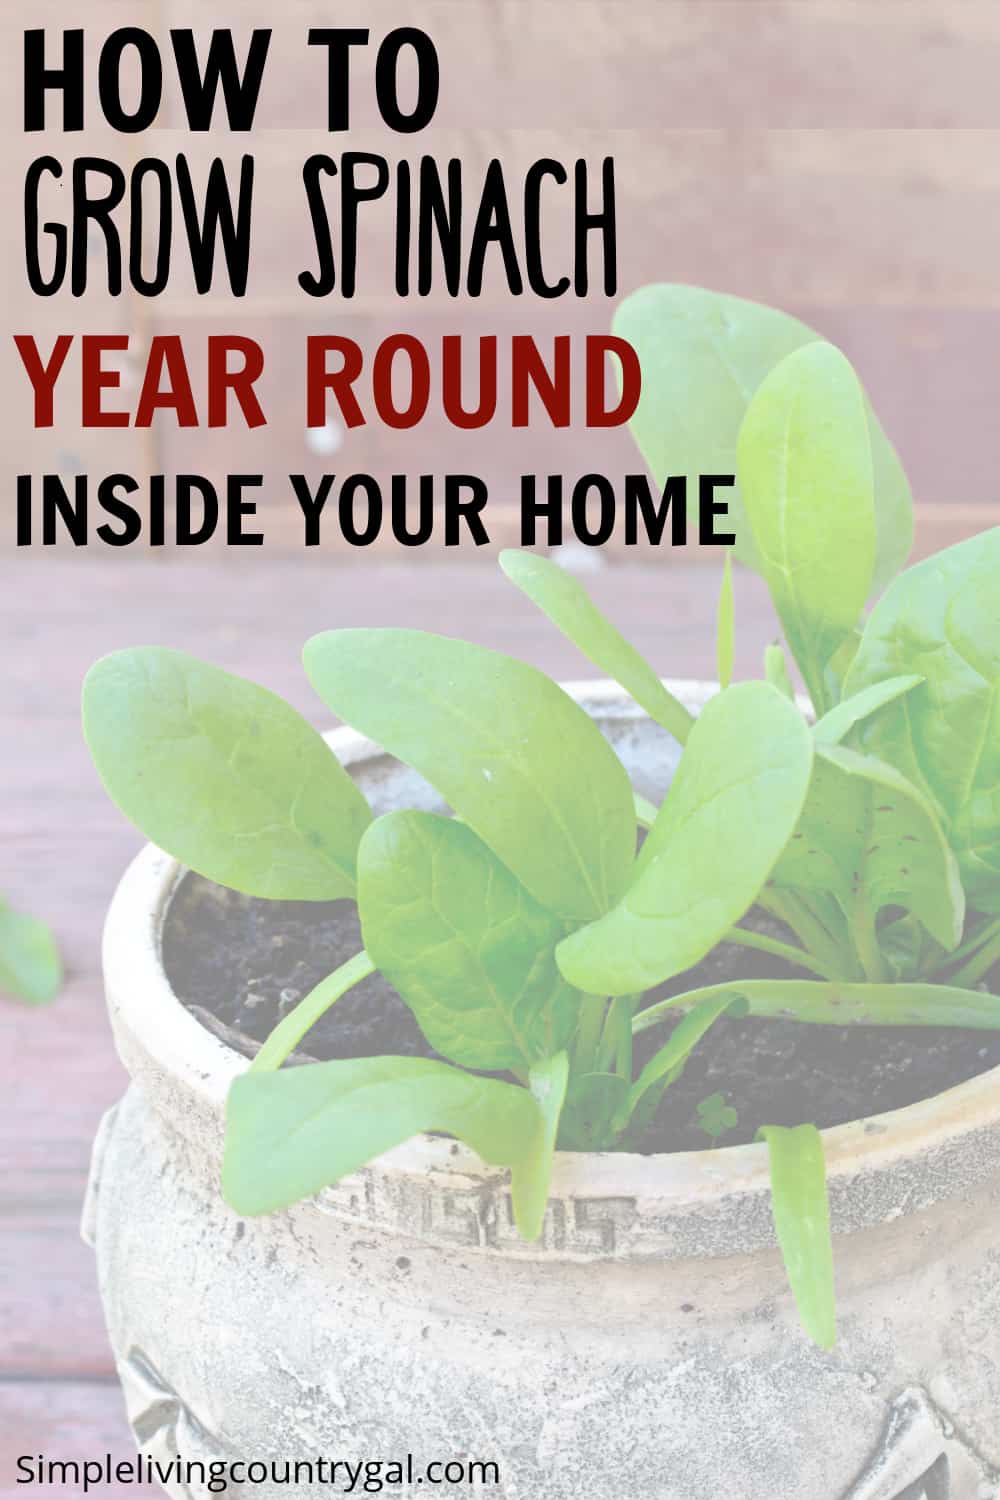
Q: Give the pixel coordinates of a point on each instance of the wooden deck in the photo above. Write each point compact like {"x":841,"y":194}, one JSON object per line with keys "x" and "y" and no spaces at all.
{"x":65,"y":846}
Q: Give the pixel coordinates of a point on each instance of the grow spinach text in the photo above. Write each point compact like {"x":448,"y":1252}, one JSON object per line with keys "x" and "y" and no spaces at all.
{"x":449,"y":226}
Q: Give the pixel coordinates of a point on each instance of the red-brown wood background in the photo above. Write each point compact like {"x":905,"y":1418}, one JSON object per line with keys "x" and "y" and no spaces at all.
{"x":835,"y":157}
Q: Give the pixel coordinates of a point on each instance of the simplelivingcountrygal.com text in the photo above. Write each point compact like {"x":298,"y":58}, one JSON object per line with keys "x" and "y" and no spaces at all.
{"x":342,"y":1476}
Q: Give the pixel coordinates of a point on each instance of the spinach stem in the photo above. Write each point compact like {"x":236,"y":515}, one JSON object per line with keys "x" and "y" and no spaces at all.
{"x":980,"y":964}
{"x":827,"y":911}
{"x":810,"y":931}
{"x":623,"y":1059}
{"x":788,"y":951}
{"x":588,"y":1033}
{"x":615,"y":1050}
{"x":972,"y":945}
{"x":816,"y":688}
{"x":673,"y":716}
{"x":815,"y":1003}
{"x":645,"y":812}
{"x":289,"y":1032}
{"x":866,"y":941}
{"x":675,"y":1005}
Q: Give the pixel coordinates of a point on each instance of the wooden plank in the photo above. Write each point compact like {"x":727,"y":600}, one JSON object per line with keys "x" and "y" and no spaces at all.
{"x":72,"y":1421}
{"x":51,"y":1324}
{"x":729,"y":63}
{"x":721,"y":63}
{"x":67,"y":1074}
{"x":254,"y":619}
{"x":940,"y":526}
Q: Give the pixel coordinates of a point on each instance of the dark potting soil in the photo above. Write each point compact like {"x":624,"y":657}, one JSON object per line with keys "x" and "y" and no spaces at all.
{"x":241,"y":964}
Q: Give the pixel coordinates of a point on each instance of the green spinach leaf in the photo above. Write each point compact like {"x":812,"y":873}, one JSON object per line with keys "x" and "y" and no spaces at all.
{"x":516,"y":758}
{"x":941,"y":619}
{"x":802,"y":1223}
{"x":725,"y":633}
{"x":223,"y":775}
{"x":293,"y":1132}
{"x":871,"y":838}
{"x":594,"y":1101}
{"x":734,"y":803}
{"x":532,"y":1171}
{"x":805,"y":467}
{"x":470,"y":951}
{"x":670,"y":1059}
{"x":822,"y":1003}
{"x":567,"y":604}
{"x":850,"y":712}
{"x":776,"y":671}
{"x":910,"y":951}
{"x":30,"y":966}
{"x":703,"y":355}
{"x":297,"y":1023}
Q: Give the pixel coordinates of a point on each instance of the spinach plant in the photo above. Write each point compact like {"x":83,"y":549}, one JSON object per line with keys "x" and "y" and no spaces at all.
{"x":30,"y":966}
{"x":524,"y":929}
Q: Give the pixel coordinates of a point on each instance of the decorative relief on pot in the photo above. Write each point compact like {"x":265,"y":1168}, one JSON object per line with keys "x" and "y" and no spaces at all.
{"x":599,"y":1223}
{"x":480,"y":1216}
{"x":164,"y":1427}
{"x":921,"y":1457}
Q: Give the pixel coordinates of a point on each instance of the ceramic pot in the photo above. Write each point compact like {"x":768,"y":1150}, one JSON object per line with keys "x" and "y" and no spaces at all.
{"x":646,"y":1346}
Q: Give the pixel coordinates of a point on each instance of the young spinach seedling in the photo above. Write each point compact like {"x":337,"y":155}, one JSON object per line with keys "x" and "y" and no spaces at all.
{"x":716,"y":1117}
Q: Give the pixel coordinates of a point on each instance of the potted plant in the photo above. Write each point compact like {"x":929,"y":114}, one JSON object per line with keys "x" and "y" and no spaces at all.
{"x":464,"y":1251}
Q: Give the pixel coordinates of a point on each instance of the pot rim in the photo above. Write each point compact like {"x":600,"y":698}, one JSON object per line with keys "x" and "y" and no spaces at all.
{"x":163,"y":1045}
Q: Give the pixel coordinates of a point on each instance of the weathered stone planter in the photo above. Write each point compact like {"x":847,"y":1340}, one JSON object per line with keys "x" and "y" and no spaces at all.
{"x":646,"y":1347}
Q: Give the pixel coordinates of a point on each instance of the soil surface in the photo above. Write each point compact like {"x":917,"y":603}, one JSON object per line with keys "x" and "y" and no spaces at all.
{"x":241,"y":964}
